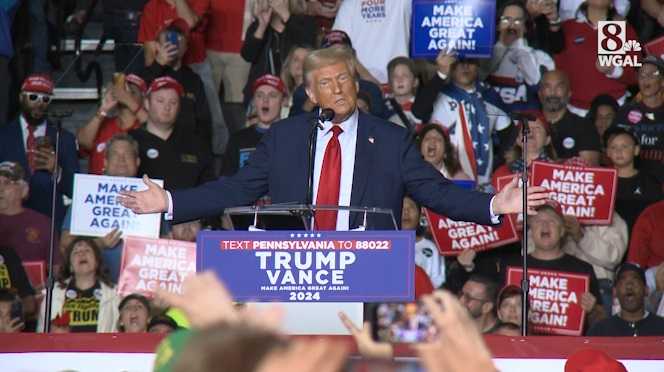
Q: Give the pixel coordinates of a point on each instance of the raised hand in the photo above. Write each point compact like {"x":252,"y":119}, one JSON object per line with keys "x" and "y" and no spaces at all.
{"x":459,"y":346}
{"x":263,"y":12}
{"x":111,"y":239}
{"x":167,"y":53}
{"x":509,"y":199}
{"x":366,"y":345}
{"x":445,"y":60}
{"x":151,"y":200}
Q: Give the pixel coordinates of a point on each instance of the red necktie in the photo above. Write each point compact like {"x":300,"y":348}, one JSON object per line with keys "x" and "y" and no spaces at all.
{"x":31,"y":146}
{"x":328,"y":184}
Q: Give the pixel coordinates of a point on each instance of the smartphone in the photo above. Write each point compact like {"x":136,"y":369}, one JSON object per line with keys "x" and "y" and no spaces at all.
{"x":119,"y":79}
{"x":402,"y":322}
{"x":172,"y":37}
{"x":44,"y":143}
{"x":17,"y":310}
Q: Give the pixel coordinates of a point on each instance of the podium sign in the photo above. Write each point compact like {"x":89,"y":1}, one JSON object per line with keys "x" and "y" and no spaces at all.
{"x":298,"y":266}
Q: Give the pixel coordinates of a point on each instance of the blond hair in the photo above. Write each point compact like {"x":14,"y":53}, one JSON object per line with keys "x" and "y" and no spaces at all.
{"x":326,"y":57}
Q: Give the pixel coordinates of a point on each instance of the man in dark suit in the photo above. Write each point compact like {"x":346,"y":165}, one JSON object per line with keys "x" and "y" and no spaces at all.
{"x":30,"y":141}
{"x":359,"y":160}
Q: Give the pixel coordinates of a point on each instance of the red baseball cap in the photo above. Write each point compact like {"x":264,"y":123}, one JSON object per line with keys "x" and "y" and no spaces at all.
{"x":38,"y":83}
{"x":179,"y":24}
{"x":271,"y":80}
{"x":165,"y":82}
{"x":592,"y":360}
{"x":555,"y":206}
{"x":137,"y":81}
{"x":334,"y":37}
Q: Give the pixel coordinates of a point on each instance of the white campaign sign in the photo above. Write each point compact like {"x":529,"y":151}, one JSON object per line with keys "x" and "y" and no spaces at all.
{"x":96,"y":210}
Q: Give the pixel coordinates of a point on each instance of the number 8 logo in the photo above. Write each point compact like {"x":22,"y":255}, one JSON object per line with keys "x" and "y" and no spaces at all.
{"x":611,"y":37}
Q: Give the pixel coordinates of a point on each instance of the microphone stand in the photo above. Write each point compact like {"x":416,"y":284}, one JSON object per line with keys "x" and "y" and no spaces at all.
{"x":525,"y":281}
{"x":50,"y":282}
{"x":313,"y":134}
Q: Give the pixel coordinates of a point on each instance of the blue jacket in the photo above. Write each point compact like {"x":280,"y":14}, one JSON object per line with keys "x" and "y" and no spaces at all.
{"x":387,"y":167}
{"x":12,"y":149}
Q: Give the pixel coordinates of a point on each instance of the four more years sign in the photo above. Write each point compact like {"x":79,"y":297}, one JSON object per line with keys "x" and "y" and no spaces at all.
{"x":555,"y":300}
{"x":325,"y":266}
{"x":586,"y":193}
{"x":453,"y":237}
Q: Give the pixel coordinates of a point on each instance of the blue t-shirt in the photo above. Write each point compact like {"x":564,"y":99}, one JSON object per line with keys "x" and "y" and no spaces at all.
{"x":112,"y":256}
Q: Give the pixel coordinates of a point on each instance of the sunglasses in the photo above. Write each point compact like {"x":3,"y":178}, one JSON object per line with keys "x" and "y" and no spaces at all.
{"x":509,"y":20}
{"x":34,"y":97}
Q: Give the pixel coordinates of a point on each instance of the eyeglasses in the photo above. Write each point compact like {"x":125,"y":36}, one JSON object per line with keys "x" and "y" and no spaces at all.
{"x":507,"y":20}
{"x":34,"y":97}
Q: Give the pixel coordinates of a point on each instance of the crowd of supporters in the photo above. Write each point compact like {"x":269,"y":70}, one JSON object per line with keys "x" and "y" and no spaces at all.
{"x":161,"y":116}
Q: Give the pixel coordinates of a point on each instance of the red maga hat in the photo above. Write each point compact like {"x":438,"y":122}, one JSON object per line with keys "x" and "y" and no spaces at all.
{"x":270,"y":80}
{"x":165,"y":82}
{"x":38,"y":83}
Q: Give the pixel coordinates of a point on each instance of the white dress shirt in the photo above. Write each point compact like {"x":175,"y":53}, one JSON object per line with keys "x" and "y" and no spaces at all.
{"x":347,"y":140}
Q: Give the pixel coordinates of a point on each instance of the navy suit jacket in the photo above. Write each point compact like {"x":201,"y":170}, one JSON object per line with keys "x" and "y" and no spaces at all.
{"x":386,"y":169}
{"x":12,"y":149}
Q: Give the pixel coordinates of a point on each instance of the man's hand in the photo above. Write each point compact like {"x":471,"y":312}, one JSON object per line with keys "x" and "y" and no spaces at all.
{"x":606,"y":70}
{"x":466,"y":259}
{"x":11,"y":326}
{"x":509,"y":199}
{"x":166,"y":54}
{"x":549,"y":9}
{"x":263,"y":13}
{"x":122,"y":95}
{"x":152,"y":200}
{"x":328,"y":10}
{"x":44,"y":159}
{"x":366,"y":345}
{"x":108,"y":102}
{"x":445,"y":60}
{"x":204,"y":299}
{"x":588,"y":302}
{"x":459,"y":346}
{"x":111,"y":239}
{"x":281,"y":8}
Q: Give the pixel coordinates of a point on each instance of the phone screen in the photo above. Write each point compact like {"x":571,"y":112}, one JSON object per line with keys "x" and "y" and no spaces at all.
{"x":402,"y":322}
{"x":172,"y":38}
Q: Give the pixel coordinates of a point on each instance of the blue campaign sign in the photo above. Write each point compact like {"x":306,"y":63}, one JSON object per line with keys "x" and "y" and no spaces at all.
{"x":465,"y":26}
{"x":326,"y":266}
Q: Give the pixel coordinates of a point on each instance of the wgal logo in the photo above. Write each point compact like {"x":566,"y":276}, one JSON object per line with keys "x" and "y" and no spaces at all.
{"x":612,"y":47}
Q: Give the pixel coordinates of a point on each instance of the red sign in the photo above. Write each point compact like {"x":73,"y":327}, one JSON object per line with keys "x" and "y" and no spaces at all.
{"x":36,"y":271}
{"x":587,"y":193}
{"x":453,"y":237}
{"x":501,"y":182}
{"x":555,"y":300}
{"x":656,"y":47}
{"x":149,"y":264}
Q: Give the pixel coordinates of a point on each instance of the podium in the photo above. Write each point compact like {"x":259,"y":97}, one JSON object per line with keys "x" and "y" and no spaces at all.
{"x":313,"y":275}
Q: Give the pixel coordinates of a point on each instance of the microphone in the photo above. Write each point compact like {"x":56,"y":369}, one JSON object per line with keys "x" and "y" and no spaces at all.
{"x":59,"y":113}
{"x":325,"y":114}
